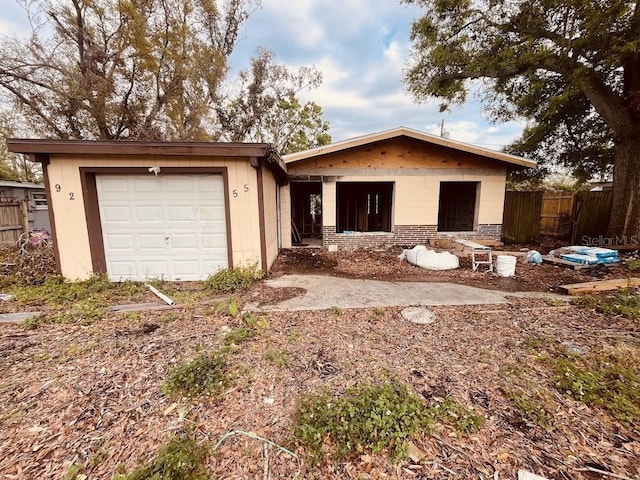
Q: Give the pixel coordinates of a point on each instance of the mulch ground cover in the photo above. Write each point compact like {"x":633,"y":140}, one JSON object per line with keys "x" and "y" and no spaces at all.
{"x":88,"y":399}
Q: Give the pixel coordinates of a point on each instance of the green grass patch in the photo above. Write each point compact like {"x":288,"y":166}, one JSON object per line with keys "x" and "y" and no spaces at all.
{"x":609,"y":379}
{"x":183,"y":458}
{"x":625,"y":303}
{"x":370,"y":418}
{"x":233,"y":279}
{"x":206,"y":374}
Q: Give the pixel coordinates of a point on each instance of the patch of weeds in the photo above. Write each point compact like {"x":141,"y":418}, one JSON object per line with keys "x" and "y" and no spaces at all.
{"x":534,"y":343}
{"x":249,"y":329}
{"x":74,"y":472}
{"x":169,"y":317}
{"x":294,"y":336}
{"x":98,"y":458}
{"x":239,"y":335}
{"x":532,"y":406}
{"x":233,"y":279}
{"x":206,"y":374}
{"x":132,"y":315}
{"x":228,"y":307}
{"x":554,"y":302}
{"x":460,"y":418}
{"x":183,"y":458}
{"x":609,"y":379}
{"x":84,"y":312}
{"x":370,"y":418}
{"x":625,"y":303}
{"x":337,"y":311}
{"x":279,"y":358}
{"x":633,"y":265}
{"x":60,"y":293}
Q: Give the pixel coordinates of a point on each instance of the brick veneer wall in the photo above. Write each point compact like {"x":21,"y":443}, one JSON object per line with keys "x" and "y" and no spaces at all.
{"x":403,"y":235}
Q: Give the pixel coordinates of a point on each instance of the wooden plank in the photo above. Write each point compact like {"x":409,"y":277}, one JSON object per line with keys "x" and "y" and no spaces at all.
{"x":566,"y":263}
{"x":599,"y":286}
{"x":12,"y":227}
{"x":624,"y":247}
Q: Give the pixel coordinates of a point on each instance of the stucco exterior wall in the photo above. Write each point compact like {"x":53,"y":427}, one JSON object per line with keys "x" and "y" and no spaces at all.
{"x":67,"y":201}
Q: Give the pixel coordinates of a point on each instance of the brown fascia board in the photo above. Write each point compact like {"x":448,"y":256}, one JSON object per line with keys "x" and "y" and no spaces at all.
{"x":39,"y":147}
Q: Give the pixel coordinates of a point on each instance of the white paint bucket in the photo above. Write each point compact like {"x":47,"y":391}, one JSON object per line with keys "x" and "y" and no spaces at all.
{"x":506,"y":265}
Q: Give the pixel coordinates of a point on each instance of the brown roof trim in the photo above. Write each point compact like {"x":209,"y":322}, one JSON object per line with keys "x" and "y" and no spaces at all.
{"x":103,"y":147}
{"x":513,"y":160}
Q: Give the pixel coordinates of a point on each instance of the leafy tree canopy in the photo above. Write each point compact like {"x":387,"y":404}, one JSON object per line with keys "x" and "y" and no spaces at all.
{"x":148,"y":69}
{"x":571,"y":67}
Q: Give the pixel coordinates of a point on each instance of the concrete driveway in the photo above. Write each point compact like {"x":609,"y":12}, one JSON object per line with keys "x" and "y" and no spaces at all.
{"x":324,"y":292}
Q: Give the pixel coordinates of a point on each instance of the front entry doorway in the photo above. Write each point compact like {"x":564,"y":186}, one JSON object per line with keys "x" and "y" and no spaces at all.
{"x":306,"y":212}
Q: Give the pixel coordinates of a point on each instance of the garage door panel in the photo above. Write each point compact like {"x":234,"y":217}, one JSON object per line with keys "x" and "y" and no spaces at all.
{"x":169,"y":226}
{"x":145,"y":184}
{"x":148,"y":213}
{"x":120,"y":242}
{"x":189,"y":241}
{"x":152,"y":241}
{"x":117,"y":214}
{"x":181,"y":213}
{"x":114,"y":185}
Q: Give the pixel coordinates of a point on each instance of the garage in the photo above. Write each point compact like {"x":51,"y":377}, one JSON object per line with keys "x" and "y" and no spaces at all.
{"x":170,"y":227}
{"x":142,"y":210}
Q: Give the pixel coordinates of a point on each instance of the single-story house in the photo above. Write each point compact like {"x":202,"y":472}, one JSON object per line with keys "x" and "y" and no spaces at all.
{"x":176,"y":211}
{"x":22,"y":203}
{"x":399,"y":187}
{"x":183,"y":210}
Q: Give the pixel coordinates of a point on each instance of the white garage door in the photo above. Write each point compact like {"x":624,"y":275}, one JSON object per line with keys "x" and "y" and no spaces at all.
{"x":167,"y":226}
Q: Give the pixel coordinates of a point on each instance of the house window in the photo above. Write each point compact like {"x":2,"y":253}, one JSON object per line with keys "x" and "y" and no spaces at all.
{"x":364,"y":206}
{"x":457,"y":209}
{"x":39,"y":200}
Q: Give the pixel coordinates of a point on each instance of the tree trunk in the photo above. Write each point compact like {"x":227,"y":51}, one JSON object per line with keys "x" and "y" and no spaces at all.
{"x":624,"y":224}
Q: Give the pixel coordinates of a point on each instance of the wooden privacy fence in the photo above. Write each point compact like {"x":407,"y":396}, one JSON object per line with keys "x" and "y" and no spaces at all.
{"x":13,"y":221}
{"x":556,"y":214}
{"x":521,"y":221}
{"x":591,"y":212}
{"x":571,"y":216}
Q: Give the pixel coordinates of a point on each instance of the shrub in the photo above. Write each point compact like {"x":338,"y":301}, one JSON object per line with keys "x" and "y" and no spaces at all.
{"x":206,"y":374}
{"x":232,"y":279}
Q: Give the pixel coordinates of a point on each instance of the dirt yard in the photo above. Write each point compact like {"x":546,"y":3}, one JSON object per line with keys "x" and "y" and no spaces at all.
{"x":86,"y":400}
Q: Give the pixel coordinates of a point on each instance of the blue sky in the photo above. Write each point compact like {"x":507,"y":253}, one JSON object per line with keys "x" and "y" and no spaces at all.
{"x":361,"y":47}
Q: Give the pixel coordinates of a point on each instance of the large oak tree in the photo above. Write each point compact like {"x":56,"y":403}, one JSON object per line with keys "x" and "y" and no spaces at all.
{"x":571,"y":67}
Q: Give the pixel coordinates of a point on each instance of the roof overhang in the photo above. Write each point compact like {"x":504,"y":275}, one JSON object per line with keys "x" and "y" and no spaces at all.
{"x":40,"y":149}
{"x":513,"y":161}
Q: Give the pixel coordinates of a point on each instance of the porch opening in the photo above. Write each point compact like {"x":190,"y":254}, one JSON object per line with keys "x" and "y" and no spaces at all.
{"x":457,"y":210}
{"x":364,"y":206}
{"x":306,"y":210}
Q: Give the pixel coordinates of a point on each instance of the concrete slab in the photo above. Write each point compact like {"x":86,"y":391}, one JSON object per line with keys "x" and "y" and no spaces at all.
{"x":324,"y":292}
{"x":17,"y":317}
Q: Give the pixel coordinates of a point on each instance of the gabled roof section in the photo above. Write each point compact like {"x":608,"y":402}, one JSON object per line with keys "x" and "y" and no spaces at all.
{"x":40,"y":149}
{"x":513,"y":160}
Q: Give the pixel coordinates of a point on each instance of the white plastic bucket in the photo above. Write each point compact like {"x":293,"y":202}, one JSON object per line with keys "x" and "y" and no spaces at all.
{"x":506,"y":265}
